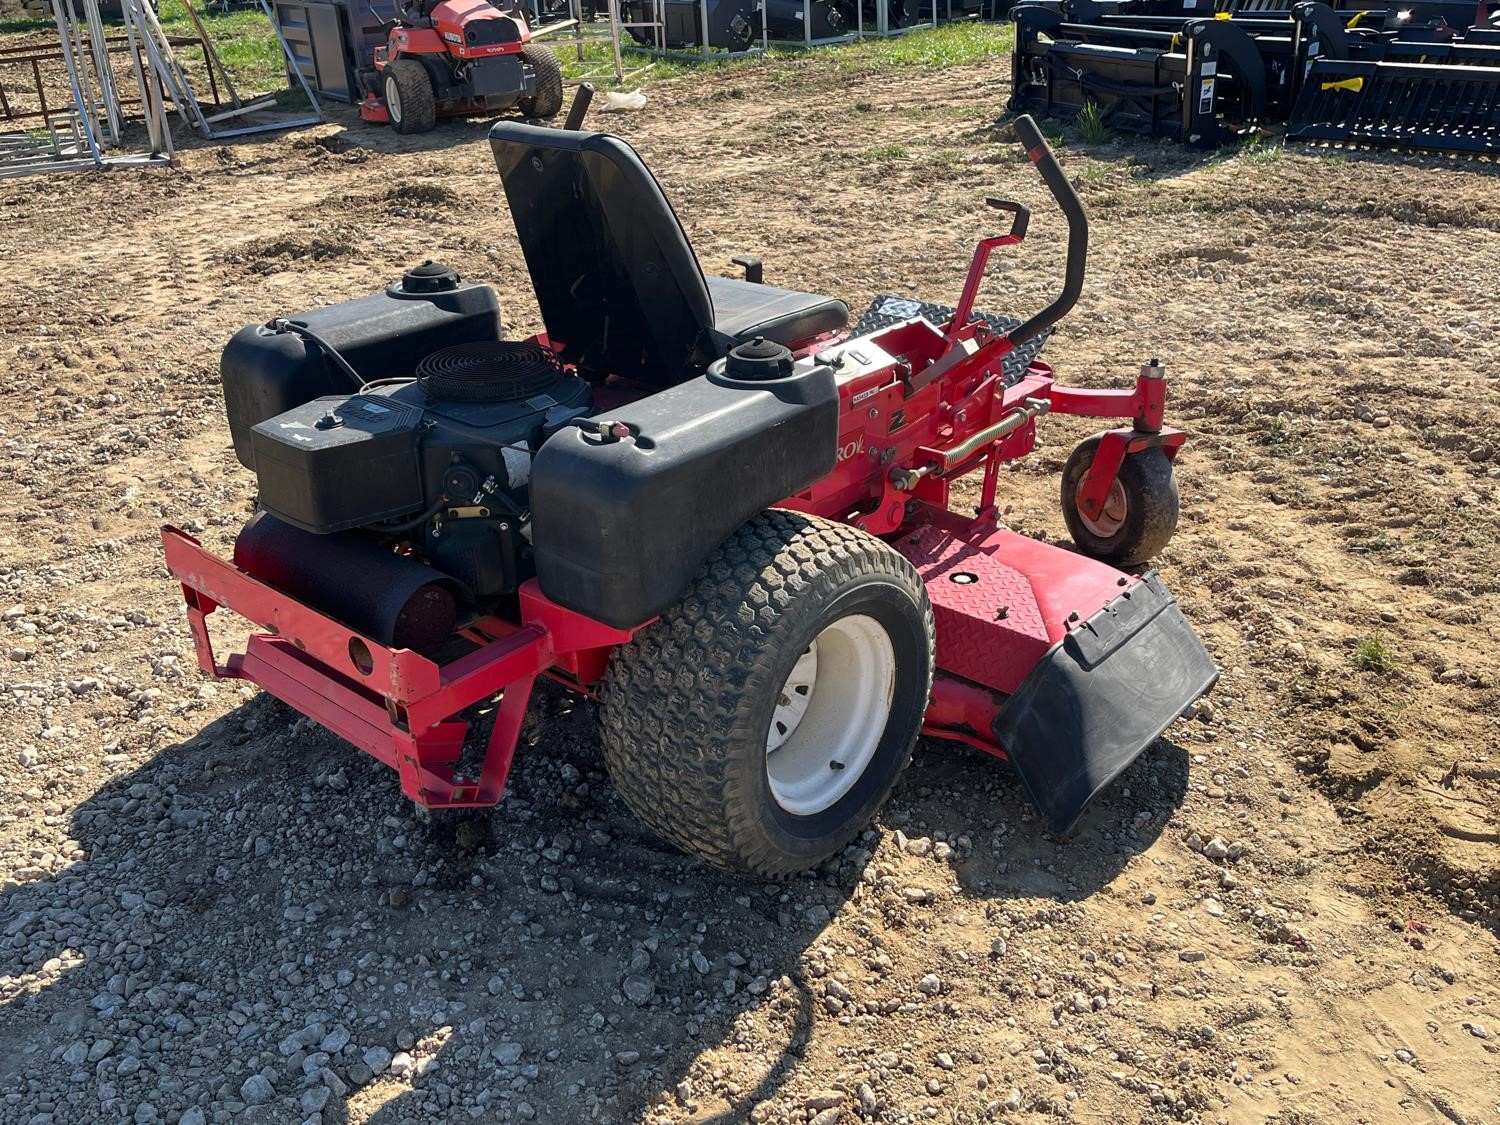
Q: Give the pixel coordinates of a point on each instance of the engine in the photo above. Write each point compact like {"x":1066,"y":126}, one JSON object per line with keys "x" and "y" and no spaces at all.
{"x":415,"y":469}
{"x":441,"y":461}
{"x":391,"y":437}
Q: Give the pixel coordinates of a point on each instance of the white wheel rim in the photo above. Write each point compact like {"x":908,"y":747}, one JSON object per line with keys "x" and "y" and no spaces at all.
{"x":1111,"y":517}
{"x":393,"y":99}
{"x":830,"y":715}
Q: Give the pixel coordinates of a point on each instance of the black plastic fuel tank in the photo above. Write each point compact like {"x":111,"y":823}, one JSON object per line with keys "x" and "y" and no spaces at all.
{"x":266,"y":372}
{"x":620,"y":524}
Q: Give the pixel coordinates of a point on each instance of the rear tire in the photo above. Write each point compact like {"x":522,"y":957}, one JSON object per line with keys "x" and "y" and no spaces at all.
{"x":548,"y":99}
{"x":1139,"y":515}
{"x":409,"y":97}
{"x":702,"y":731}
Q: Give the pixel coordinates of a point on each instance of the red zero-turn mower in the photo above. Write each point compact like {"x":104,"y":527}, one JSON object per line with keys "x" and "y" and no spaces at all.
{"x":706,"y":503}
{"x":451,"y":58}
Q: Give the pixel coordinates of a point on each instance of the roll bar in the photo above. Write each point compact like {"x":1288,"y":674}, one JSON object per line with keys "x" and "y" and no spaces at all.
{"x":1078,"y":232}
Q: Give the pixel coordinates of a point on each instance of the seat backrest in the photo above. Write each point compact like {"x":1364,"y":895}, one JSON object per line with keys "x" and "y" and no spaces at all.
{"x":618,"y":284}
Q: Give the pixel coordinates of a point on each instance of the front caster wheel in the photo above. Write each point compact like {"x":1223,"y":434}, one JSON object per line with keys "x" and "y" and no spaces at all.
{"x":761,"y":722}
{"x":1138,"y":516}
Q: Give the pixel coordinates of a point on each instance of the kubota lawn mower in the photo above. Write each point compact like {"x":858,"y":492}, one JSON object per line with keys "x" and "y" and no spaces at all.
{"x":451,"y":58}
{"x":706,"y":503}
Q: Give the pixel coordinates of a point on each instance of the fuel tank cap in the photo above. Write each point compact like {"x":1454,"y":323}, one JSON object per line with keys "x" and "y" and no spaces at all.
{"x":758,"y":359}
{"x":429,"y":277}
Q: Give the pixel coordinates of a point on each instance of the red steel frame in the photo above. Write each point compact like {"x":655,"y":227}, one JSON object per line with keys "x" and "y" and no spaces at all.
{"x":937,"y":409}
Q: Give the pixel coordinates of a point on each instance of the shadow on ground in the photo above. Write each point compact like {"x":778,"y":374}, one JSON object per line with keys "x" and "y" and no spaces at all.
{"x":259,"y":900}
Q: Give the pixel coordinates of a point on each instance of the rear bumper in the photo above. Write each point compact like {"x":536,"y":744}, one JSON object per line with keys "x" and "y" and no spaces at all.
{"x":1100,"y":697}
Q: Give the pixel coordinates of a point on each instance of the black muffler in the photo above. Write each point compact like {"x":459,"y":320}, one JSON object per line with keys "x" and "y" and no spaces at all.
{"x":353,"y":578}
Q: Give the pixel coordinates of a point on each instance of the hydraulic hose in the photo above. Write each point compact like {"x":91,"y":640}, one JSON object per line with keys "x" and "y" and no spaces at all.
{"x":1078,"y":232}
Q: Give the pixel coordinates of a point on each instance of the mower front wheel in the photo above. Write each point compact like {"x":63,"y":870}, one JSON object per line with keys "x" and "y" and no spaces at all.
{"x":761,"y":722}
{"x":1139,"y":515}
{"x":409,"y":97}
{"x":548,"y":99}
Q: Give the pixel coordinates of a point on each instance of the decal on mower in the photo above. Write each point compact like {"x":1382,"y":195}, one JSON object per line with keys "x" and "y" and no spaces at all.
{"x":850,"y":449}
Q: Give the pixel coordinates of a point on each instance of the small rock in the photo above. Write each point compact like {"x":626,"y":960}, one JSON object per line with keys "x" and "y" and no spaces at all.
{"x":930,"y":985}
{"x":1213,"y":907}
{"x":1192,"y":955}
{"x":257,"y":1090}
{"x":1216,"y":848}
{"x":377,"y":1058}
{"x":314,"y":1098}
{"x":638,"y":989}
{"x":1479,"y":1031}
{"x":820,"y":1100}
{"x":944,"y":1060}
{"x":401,"y":1064}
{"x":507,"y":1054}
{"x":997,"y":947}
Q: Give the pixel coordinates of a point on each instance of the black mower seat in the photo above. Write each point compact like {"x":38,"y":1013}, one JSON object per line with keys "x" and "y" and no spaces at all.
{"x":617,"y":283}
{"x":743,"y":309}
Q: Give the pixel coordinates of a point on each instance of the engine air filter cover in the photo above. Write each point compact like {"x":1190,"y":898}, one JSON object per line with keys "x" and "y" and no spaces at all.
{"x":489,"y":371}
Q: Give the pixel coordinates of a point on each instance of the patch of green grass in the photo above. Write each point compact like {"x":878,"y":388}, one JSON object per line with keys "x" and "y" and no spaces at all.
{"x":1095,"y":173}
{"x":956,"y":44}
{"x":888,"y":152}
{"x":933,"y":49}
{"x":1372,"y":655}
{"x":1091,"y":124}
{"x":244,"y":40}
{"x":1275,"y":431}
{"x":1261,"y":151}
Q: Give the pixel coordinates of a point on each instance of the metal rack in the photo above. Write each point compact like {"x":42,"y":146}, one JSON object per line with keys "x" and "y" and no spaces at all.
{"x":87,"y":126}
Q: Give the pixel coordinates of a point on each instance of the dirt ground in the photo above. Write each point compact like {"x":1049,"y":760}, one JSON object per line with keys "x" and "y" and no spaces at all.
{"x":1288,"y":911}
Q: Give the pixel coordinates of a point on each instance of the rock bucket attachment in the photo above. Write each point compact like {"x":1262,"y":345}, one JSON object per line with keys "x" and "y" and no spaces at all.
{"x":1205,"y":84}
{"x":1409,"y":105}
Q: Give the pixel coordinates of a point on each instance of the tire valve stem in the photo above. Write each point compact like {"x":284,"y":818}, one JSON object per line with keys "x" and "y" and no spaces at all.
{"x":835,"y":765}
